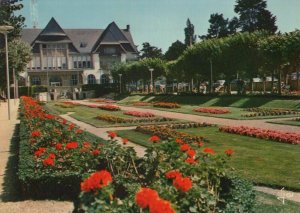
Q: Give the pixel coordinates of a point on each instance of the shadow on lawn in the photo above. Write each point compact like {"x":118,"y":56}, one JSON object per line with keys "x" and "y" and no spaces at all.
{"x":11,"y":185}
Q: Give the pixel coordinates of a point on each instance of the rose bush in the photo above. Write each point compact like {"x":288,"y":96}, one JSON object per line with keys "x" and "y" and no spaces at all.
{"x":139,"y":114}
{"x":166,"y":105}
{"x":212,"y":110}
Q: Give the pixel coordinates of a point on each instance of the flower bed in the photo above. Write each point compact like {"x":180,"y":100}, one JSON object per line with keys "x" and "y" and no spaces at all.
{"x":165,"y":132}
{"x":166,"y":105}
{"x":109,"y":107}
{"x":116,"y":119}
{"x":141,"y":104}
{"x":297,"y":119}
{"x":284,"y":137}
{"x":62,"y":105}
{"x":103,"y":100}
{"x":139,"y":114}
{"x":268,"y":112}
{"x":212,"y":110}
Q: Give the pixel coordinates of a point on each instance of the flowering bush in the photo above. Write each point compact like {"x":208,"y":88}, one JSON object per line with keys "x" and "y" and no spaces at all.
{"x":268,"y":112}
{"x":139,"y":114}
{"x":109,"y":107}
{"x":141,"y":104}
{"x":212,"y":110}
{"x":166,"y":105}
{"x":284,"y":137}
{"x":116,"y":119}
{"x":112,"y":119}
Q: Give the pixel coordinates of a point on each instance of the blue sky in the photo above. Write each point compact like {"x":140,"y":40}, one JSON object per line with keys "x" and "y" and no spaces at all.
{"x":160,"y":22}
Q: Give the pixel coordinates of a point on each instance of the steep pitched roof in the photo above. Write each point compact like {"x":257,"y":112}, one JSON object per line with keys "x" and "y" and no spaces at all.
{"x":114,"y":35}
{"x":84,"y":40}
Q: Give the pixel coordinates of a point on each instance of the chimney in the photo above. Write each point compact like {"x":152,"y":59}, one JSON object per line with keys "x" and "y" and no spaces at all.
{"x":127,"y":27}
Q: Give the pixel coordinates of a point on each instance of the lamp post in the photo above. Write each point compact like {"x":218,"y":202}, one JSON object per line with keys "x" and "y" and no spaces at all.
{"x":120,"y":75}
{"x":151,"y":79}
{"x":4,"y":30}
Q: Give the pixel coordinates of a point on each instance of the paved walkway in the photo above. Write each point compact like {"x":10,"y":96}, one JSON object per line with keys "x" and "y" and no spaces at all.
{"x":10,"y":201}
{"x":212,"y":120}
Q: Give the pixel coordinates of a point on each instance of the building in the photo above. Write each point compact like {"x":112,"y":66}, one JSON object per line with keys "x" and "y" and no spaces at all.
{"x":65,"y":59}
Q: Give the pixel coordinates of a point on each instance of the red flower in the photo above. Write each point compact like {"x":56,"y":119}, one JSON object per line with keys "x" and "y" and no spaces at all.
{"x":139,"y":114}
{"x":145,"y":197}
{"x":86,"y":144}
{"x":201,"y":143}
{"x":209,"y":151}
{"x":154,"y":139}
{"x":125,"y":141}
{"x":191,"y":161}
{"x":183,"y":184}
{"x":112,"y":135}
{"x":58,"y":146}
{"x":71,"y":126}
{"x":184,"y":147}
{"x":173,"y":174}
{"x":72,"y":145}
{"x":78,"y":131}
{"x":229,"y":152}
{"x":48,"y":162}
{"x":35,"y":133}
{"x":52,"y":156}
{"x":97,"y":180}
{"x":179,"y":141}
{"x":191,"y":153}
{"x":95,"y":152}
{"x":160,"y":206}
{"x":40,"y":152}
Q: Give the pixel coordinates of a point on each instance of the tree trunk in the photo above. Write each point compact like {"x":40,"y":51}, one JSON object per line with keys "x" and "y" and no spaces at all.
{"x":279,"y":82}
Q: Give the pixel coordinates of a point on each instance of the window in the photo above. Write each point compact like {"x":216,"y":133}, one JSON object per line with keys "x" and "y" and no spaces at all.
{"x":81,"y":61}
{"x":83,"y":44}
{"x":110,"y":50}
{"x":91,"y":79}
{"x":74,"y":79}
{"x":104,"y":79}
{"x":35,"y":80}
{"x":55,"y":81}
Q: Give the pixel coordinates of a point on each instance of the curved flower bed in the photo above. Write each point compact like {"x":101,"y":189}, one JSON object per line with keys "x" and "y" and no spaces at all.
{"x":141,"y":104}
{"x":139,"y":114}
{"x":268,"y":112}
{"x":212,"y":110}
{"x":284,"y":137}
{"x":109,"y":107}
{"x":108,"y":101}
{"x":116,"y":119}
{"x":166,"y":105}
{"x":165,"y":132}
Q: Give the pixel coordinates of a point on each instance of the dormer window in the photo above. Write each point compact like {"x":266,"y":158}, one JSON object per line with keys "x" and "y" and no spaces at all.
{"x":110,"y":50}
{"x":83,"y":44}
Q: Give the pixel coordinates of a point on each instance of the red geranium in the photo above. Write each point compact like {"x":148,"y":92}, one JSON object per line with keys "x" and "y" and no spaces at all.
{"x":191,"y":161}
{"x":35,"y":133}
{"x":161,"y":206}
{"x":58,"y":146}
{"x":179,"y":141}
{"x":40,"y":151}
{"x":184,"y":147}
{"x":191,"y":153}
{"x":183,"y":184}
{"x":209,"y":151}
{"x":97,"y":180}
{"x":86,"y":144}
{"x":71,"y":126}
{"x":154,"y":139}
{"x":229,"y":152}
{"x":125,"y":141}
{"x":173,"y":174}
{"x":112,"y":135}
{"x":52,"y":156}
{"x":48,"y":162}
{"x":95,"y":152}
{"x":78,"y":131}
{"x":72,"y":145}
{"x":145,"y":197}
{"x":201,"y":143}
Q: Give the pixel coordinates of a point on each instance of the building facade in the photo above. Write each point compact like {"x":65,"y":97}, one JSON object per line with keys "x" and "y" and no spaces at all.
{"x":65,"y":59}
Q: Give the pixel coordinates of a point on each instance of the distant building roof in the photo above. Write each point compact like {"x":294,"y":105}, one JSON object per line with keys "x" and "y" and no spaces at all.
{"x":84,"y":40}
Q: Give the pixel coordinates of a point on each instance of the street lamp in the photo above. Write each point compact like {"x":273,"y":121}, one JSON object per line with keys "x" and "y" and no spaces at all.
{"x":120,"y":75}
{"x":4,"y":30}
{"x":151,"y":81}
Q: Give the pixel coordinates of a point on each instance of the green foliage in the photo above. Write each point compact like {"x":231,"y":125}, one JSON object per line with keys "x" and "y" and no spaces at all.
{"x":175,"y":50}
{"x":149,"y":51}
{"x":254,"y":16}
{"x":19,"y":55}
{"x":189,"y":33}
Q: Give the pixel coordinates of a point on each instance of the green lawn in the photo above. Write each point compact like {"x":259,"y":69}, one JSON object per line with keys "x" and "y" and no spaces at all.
{"x":266,"y":203}
{"x":286,"y":122}
{"x":234,"y":104}
{"x":87,"y":115}
{"x":221,"y":101}
{"x":261,"y":161}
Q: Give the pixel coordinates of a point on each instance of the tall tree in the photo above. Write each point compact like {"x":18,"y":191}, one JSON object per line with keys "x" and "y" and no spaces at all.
{"x":149,"y":51}
{"x":218,"y":26}
{"x":175,"y":50}
{"x":253,"y":15}
{"x":189,"y":32}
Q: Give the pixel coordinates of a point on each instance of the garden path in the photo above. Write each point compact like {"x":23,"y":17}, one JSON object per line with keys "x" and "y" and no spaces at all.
{"x":212,"y":120}
{"x":10,"y":201}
